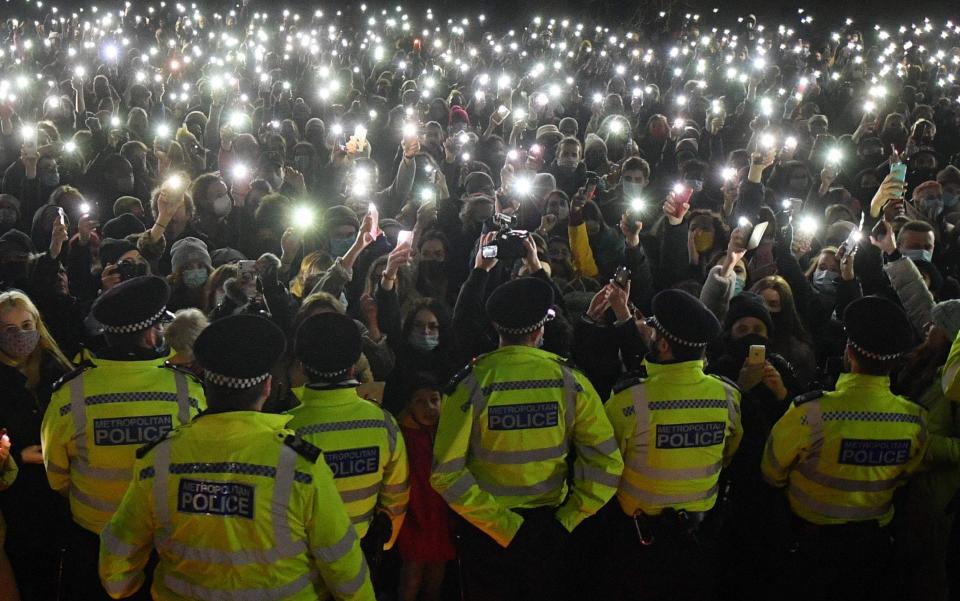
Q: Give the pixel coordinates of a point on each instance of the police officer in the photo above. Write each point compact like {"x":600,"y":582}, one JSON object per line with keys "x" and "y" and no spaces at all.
{"x":840,"y":455}
{"x":676,"y":427}
{"x":107,"y":408}
{"x":361,"y":442}
{"x":237,"y":506}
{"x":507,"y":425}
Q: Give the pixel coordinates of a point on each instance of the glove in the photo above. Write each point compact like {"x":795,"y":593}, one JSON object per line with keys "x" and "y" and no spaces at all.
{"x":235,"y":291}
{"x":378,"y":535}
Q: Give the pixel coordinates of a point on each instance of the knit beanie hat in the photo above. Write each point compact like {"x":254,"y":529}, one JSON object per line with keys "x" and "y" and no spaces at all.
{"x":186,"y":250}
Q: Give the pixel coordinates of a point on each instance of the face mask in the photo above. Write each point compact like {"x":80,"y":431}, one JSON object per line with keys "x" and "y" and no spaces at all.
{"x":632,"y":189}
{"x":424,"y":342}
{"x":221,"y":206}
{"x":695,"y":184}
{"x":738,"y":285}
{"x":8,"y":216}
{"x":275,"y":181}
{"x":949,"y":199}
{"x":50,"y":179}
{"x":703,"y":241}
{"x":19,"y":343}
{"x":431,"y":269}
{"x":194,"y":278}
{"x":340,"y":246}
{"x":739,"y":348}
{"x":934,"y":206}
{"x":568,"y":164}
{"x":825,"y":281}
{"x":918,"y":254}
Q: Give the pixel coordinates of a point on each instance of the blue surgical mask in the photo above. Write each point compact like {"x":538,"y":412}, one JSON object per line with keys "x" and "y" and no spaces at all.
{"x":50,"y":179}
{"x":340,"y":246}
{"x":424,"y":342}
{"x":918,"y":254}
{"x":695,"y":184}
{"x":632,"y":189}
{"x":738,"y":284}
{"x":950,"y":200}
{"x":194,"y":278}
{"x":825,"y":281}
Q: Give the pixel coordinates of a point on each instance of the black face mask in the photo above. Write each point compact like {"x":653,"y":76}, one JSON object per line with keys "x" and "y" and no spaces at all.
{"x":432,"y":270}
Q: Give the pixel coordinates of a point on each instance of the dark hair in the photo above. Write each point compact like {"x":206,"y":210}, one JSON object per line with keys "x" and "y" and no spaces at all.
{"x":636,"y":162}
{"x":682,"y":352}
{"x":221,"y":398}
{"x":874,"y":367}
{"x":125,"y":342}
{"x":442,"y":314}
{"x":916,"y":226}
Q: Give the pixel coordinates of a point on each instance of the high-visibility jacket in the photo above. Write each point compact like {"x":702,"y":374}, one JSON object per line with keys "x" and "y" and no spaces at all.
{"x":506,"y":426}
{"x":237,"y":508}
{"x":842,"y":454}
{"x":950,"y":377}
{"x":676,"y":428}
{"x":363,"y":447}
{"x":99,"y":415}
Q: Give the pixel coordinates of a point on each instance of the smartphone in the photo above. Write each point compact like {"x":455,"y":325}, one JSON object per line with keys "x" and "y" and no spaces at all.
{"x":756,"y":236}
{"x":247,"y":270}
{"x":63,"y":216}
{"x":375,"y":217}
{"x":503,"y":112}
{"x":682,"y":193}
{"x":899,"y":173}
{"x":591,"y":187}
{"x":622,"y":276}
{"x":489,"y":252}
{"x":404,"y":237}
{"x":758,"y":354}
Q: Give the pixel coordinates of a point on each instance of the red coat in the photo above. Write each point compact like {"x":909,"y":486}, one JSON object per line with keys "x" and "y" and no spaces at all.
{"x":425,"y":535}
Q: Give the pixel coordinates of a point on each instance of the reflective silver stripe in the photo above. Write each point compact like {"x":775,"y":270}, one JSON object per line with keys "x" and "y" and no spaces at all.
{"x":810,"y":473}
{"x":350,"y":587}
{"x":102,"y":473}
{"x":450,"y":467}
{"x":543,"y":487}
{"x":814,"y":420}
{"x":280,"y":504}
{"x":127,"y":585}
{"x":363,"y":517}
{"x":650,"y":498}
{"x":772,"y":458}
{"x":589,"y":473}
{"x":733,"y":411}
{"x":949,"y":375}
{"x":638,"y":446}
{"x":391,"y":432}
{"x":275,"y":593}
{"x":601,"y":449}
{"x":89,"y":501}
{"x":115,"y":545}
{"x":232,"y":558}
{"x":78,"y":409}
{"x":338,"y":550}
{"x":519,"y":457}
{"x":161,"y":467}
{"x":460,"y":486}
{"x":396,"y":510}
{"x":396,"y":488}
{"x":183,"y":397}
{"x":359,"y":494}
{"x":479,"y":402}
{"x":675,"y":473}
{"x":570,"y":389}
{"x":836,"y":511}
{"x":56,"y":469}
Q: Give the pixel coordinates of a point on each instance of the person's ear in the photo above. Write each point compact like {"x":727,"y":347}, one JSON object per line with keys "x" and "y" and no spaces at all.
{"x":265,"y":393}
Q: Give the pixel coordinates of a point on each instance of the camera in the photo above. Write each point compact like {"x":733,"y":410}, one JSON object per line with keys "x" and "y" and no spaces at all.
{"x":130,"y":269}
{"x":508,"y":244}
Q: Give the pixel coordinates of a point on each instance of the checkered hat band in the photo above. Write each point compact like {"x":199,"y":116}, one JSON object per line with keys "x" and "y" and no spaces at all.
{"x":874,"y":356}
{"x":135,"y":327}
{"x":659,"y":327}
{"x":231,"y":382}
{"x":325,"y":374}
{"x":523,"y":330}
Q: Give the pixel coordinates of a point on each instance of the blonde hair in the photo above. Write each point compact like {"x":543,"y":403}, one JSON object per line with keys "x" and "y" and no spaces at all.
{"x":184,"y":330}
{"x":15,"y":299}
{"x":314,"y":263}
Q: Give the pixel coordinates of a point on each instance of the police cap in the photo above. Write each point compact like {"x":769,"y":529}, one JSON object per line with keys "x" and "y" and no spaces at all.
{"x":520,"y":306}
{"x":328,"y":344}
{"x":878,"y":328}
{"x":133,"y":305}
{"x":238,"y":351}
{"x":682,"y":319}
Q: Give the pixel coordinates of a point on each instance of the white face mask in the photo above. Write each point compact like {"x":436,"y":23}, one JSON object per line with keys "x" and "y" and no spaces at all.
{"x":222,"y":206}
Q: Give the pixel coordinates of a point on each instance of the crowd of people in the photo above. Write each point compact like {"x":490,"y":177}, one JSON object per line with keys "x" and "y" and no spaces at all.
{"x":324,"y":214}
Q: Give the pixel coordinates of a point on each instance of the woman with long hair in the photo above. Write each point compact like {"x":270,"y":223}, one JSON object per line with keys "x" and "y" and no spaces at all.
{"x":36,"y":516}
{"x":790,"y":338}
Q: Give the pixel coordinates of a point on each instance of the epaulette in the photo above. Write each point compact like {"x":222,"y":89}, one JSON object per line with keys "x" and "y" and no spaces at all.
{"x":566,"y":362}
{"x":84,"y":366}
{"x":186,"y":372}
{"x":807,"y":397}
{"x":459,"y":377}
{"x":630,"y":379}
{"x":302,"y":448}
{"x":142,"y":451}
{"x":725,"y":380}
